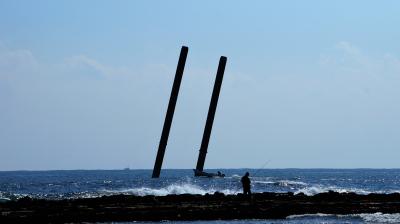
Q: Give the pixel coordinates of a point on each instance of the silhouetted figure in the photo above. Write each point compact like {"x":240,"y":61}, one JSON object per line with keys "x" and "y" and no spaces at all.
{"x":246,"y":184}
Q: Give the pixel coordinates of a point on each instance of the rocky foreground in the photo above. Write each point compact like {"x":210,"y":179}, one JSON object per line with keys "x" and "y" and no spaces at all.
{"x":193,"y":207}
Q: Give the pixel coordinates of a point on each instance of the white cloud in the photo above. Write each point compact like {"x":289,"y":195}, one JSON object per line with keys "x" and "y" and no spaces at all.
{"x":85,"y":61}
{"x":22,"y":61}
{"x":348,"y":48}
{"x":348,"y":59}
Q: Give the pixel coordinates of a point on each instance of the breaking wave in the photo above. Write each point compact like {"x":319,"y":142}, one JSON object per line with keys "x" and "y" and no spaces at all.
{"x":313,"y":190}
{"x":3,"y":197}
{"x":237,"y":176}
{"x":185,"y":188}
{"x":282,"y":183}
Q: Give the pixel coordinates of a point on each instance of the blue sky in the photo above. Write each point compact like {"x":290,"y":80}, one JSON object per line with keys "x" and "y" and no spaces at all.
{"x":308,"y":84}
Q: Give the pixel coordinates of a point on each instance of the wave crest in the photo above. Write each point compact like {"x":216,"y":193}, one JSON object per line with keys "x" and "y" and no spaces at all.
{"x":282,"y":183}
{"x":185,"y":188}
{"x":313,"y":190}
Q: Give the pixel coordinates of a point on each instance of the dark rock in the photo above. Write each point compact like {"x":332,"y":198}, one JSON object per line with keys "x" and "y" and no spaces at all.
{"x":122,"y":208}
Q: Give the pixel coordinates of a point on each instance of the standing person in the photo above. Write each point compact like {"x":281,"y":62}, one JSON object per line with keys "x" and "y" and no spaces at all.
{"x":246,"y":184}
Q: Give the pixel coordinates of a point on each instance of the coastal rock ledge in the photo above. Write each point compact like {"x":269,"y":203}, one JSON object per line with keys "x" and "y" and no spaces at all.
{"x":193,"y":207}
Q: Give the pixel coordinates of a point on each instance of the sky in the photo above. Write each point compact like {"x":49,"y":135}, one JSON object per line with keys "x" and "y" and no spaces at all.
{"x":308,"y":84}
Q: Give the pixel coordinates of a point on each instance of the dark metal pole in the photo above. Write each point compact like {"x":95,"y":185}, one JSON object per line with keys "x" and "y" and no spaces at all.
{"x":170,"y":112}
{"x":211,"y":114}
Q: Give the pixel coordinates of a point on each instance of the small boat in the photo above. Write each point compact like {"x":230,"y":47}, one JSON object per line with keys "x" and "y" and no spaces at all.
{"x":198,"y":173}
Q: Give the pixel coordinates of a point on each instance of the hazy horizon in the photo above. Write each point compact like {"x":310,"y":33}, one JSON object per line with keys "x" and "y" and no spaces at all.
{"x":171,"y":169}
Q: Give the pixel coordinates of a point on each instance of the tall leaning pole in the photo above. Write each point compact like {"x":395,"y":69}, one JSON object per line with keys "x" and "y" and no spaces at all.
{"x":211,"y":114}
{"x":170,"y":112}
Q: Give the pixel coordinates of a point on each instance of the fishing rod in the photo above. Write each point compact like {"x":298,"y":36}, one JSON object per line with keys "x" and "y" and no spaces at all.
{"x":262,"y":167}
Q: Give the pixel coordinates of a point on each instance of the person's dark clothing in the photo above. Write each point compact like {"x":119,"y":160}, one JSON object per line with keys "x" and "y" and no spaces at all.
{"x":246,"y":184}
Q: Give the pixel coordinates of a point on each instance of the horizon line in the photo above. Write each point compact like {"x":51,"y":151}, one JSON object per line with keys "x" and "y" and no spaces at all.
{"x":149,"y":169}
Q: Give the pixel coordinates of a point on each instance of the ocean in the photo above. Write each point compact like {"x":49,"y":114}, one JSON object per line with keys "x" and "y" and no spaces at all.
{"x":94,"y":183}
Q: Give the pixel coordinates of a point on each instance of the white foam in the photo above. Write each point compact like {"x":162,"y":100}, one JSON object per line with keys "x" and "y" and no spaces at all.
{"x":3,"y":197}
{"x":290,"y":182}
{"x":313,"y":190}
{"x":309,"y":215}
{"x":263,"y":182}
{"x":185,"y":188}
{"x":365,"y":217}
{"x":283,"y":183}
{"x":380,"y":217}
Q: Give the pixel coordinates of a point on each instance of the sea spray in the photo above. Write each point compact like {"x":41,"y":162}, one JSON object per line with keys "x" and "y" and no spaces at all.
{"x":185,"y":188}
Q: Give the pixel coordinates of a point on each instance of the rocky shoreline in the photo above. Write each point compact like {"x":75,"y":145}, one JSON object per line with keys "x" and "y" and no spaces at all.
{"x":193,"y":207}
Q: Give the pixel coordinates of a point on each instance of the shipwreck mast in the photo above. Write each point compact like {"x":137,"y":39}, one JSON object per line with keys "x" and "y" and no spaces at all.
{"x":211,"y":114}
{"x":170,"y":112}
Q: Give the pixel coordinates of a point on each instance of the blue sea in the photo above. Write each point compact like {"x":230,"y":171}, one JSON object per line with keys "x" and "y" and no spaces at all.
{"x":95,"y":183}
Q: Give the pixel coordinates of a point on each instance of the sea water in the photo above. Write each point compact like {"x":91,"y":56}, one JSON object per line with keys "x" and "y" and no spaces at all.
{"x":95,"y":183}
